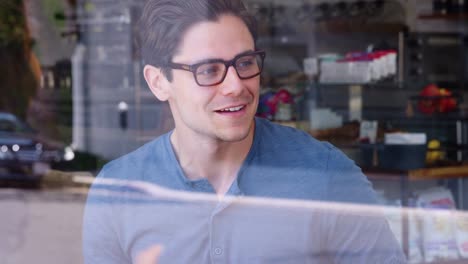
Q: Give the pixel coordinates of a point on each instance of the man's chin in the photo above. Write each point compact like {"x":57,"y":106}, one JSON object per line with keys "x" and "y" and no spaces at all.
{"x":234,"y":134}
{"x":233,"y":138}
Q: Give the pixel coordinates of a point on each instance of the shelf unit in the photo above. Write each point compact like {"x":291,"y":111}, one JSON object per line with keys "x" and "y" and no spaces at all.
{"x":340,"y":26}
{"x":405,"y":177}
{"x":449,"y":17}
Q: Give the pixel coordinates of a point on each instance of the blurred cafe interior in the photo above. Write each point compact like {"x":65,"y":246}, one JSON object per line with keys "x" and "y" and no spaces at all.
{"x":383,"y":80}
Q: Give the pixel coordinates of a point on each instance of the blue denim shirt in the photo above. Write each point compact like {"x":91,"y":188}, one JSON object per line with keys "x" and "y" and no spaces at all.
{"x":294,"y":201}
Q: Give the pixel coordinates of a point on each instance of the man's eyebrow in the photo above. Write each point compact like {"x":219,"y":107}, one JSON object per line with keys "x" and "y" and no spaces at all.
{"x":219,"y":59}
{"x":245,"y":52}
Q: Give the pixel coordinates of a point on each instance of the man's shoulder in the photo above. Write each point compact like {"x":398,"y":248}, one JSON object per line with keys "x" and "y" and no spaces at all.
{"x":286,"y":148}
{"x":133,"y":177}
{"x":277,"y":136}
{"x":132,"y":165}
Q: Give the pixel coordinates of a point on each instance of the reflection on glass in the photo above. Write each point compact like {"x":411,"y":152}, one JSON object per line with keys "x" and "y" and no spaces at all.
{"x":204,"y":166}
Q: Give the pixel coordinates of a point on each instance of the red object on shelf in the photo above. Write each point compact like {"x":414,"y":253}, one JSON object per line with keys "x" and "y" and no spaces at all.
{"x":446,"y":104}
{"x":284,"y":96}
{"x":429,"y":105}
{"x":434,"y":99}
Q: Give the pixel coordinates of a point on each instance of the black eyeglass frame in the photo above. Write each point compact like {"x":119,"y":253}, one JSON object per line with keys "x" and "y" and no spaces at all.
{"x":193,"y":68}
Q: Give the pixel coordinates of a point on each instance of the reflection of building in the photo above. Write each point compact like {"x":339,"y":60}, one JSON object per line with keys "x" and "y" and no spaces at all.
{"x":50,"y":112}
{"x":106,"y":72}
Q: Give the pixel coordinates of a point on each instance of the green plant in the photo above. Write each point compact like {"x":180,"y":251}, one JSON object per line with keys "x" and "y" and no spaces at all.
{"x":19,"y":68}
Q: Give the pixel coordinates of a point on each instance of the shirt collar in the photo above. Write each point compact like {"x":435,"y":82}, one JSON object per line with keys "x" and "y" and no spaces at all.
{"x":203,"y":185}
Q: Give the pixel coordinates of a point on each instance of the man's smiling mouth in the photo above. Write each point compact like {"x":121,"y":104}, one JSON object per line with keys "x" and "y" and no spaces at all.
{"x":231,"y":109}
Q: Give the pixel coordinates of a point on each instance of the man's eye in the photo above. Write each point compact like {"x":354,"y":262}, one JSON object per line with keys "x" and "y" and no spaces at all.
{"x":208,"y":70}
{"x":245,"y":63}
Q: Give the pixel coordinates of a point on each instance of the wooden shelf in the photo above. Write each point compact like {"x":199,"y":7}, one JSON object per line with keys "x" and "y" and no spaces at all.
{"x":451,"y":172}
{"x":439,"y":173}
{"x":451,"y":17}
{"x":353,"y":26}
{"x":384,"y":174}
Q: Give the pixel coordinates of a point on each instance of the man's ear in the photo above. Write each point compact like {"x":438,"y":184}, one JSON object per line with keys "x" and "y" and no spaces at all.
{"x":156,"y":82}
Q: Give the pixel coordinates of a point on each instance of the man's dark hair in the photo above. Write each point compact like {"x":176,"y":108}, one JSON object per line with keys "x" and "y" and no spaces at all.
{"x":164,"y":23}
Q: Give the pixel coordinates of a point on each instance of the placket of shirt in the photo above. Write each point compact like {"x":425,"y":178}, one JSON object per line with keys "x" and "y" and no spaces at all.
{"x":218,"y":250}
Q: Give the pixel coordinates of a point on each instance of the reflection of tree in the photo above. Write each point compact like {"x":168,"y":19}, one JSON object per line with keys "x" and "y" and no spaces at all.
{"x":19,"y":67}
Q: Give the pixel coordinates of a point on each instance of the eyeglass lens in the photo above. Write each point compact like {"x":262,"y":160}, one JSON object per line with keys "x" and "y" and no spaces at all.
{"x":246,"y":66}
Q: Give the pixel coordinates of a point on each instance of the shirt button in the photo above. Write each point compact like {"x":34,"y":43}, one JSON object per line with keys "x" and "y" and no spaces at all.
{"x":218,"y":251}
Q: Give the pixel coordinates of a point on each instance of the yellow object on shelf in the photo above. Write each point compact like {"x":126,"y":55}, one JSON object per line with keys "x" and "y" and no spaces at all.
{"x":434,"y":155}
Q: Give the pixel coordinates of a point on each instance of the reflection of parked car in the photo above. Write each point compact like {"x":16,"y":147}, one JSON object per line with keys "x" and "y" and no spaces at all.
{"x":23,"y":155}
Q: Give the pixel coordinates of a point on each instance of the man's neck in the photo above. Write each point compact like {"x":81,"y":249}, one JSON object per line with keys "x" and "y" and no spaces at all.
{"x":214,"y":160}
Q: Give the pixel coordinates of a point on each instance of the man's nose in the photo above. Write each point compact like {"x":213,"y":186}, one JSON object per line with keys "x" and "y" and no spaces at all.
{"x":232,"y":84}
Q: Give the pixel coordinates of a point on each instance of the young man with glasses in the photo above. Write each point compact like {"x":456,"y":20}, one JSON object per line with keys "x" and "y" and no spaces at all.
{"x":201,"y":58}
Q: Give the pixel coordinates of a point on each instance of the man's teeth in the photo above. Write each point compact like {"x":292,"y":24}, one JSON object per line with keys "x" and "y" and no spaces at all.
{"x":233,"y":109}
